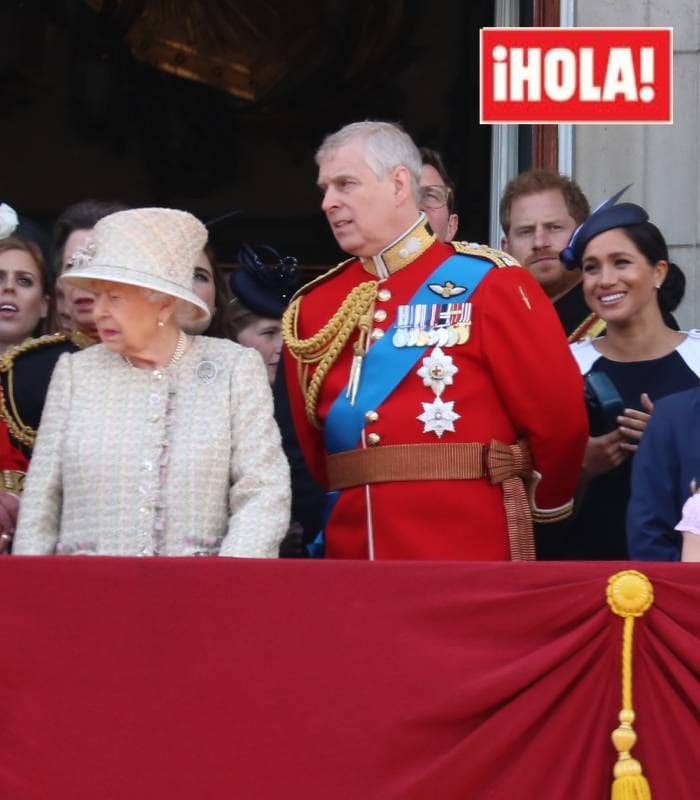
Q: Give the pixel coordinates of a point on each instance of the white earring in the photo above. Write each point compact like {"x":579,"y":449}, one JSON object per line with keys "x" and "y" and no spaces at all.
{"x":160,"y":323}
{"x":657,"y":285}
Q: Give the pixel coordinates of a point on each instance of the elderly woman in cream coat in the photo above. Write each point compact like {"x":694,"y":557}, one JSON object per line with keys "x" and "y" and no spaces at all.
{"x":154,"y":442}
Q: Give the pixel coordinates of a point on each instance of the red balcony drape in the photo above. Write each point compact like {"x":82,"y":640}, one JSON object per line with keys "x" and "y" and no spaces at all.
{"x":123,"y":679}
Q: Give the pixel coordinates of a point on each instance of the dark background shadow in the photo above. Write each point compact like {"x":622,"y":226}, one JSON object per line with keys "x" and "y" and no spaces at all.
{"x":81,"y":116}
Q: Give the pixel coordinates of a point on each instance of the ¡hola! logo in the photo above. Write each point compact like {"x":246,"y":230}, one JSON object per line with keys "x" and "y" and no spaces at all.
{"x":576,"y":75}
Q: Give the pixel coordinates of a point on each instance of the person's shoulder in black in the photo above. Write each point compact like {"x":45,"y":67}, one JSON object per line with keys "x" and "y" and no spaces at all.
{"x":25,"y":374}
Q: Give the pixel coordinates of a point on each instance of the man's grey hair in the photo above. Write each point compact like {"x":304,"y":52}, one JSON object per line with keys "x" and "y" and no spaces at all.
{"x":387,"y":146}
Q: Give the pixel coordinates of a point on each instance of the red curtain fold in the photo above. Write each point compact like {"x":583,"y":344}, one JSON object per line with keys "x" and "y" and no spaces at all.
{"x":211,"y":678}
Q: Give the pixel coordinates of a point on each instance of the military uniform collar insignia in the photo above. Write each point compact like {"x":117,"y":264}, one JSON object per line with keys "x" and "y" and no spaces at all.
{"x":402,"y":252}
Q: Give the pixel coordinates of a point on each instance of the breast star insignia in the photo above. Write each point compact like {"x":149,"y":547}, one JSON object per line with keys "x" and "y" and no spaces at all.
{"x":446,"y":290}
{"x":438,"y":417}
{"x":437,"y":371}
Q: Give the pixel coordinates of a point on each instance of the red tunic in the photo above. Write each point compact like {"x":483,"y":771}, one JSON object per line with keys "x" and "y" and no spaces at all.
{"x":516,"y":379}
{"x":11,"y":457}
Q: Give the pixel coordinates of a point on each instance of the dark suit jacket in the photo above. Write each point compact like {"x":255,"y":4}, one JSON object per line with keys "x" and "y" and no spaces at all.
{"x":308,"y":498}
{"x":667,"y":461}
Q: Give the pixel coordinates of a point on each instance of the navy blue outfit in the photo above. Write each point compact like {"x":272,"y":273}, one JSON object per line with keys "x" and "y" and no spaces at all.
{"x":597,"y":531}
{"x":667,"y":461}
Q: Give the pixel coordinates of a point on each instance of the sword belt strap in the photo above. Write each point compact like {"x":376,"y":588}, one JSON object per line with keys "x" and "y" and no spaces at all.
{"x":496,"y":461}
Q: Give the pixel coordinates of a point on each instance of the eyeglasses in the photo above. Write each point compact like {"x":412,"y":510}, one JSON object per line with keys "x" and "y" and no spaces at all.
{"x":434,"y":196}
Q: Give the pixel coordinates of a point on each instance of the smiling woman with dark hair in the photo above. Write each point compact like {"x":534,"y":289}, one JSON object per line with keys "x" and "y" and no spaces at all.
{"x":629,"y":282}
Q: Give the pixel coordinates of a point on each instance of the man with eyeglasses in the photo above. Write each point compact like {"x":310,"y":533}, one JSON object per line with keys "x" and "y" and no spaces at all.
{"x":417,"y":400}
{"x":437,"y":195}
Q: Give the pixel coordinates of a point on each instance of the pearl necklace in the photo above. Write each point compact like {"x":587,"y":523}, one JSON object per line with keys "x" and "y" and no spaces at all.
{"x":178,"y":353}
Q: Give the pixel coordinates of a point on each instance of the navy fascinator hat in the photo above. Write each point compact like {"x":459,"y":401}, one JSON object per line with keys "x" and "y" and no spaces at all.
{"x":607,"y":216}
{"x":265,"y":280}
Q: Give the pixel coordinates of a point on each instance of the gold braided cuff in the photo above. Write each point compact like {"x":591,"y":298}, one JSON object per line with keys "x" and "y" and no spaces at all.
{"x":12,"y":481}
{"x":546,"y":515}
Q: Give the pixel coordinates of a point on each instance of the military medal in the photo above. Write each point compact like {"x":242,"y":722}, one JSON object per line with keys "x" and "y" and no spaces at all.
{"x":416,"y":324}
{"x":400,"y":337}
{"x":464,"y":324}
{"x":437,"y":325}
{"x":431,"y":332}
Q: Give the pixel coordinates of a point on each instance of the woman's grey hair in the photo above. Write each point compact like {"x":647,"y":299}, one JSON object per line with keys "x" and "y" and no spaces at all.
{"x":387,"y":146}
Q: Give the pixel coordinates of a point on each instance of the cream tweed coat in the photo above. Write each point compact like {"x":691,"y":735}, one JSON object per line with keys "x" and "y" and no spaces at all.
{"x":178,"y":461}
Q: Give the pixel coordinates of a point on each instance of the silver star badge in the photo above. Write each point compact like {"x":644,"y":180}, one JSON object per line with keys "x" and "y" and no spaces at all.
{"x":438,"y":417}
{"x":437,"y":371}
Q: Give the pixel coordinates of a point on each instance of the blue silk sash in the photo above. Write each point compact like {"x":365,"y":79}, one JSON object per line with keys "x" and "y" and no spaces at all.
{"x":385,"y":365}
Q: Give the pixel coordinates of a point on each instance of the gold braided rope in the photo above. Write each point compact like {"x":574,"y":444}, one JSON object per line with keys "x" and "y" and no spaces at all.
{"x":19,"y":430}
{"x":630,"y":594}
{"x":324,"y":347}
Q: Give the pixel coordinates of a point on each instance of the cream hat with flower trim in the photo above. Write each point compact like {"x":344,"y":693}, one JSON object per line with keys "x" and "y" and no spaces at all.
{"x":154,"y":248}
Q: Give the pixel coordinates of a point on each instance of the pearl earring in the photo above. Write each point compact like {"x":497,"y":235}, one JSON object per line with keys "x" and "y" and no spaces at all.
{"x":160,"y":323}
{"x":657,"y":285}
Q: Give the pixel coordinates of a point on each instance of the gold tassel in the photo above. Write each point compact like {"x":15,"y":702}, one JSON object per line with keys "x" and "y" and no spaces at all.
{"x":630,"y":594}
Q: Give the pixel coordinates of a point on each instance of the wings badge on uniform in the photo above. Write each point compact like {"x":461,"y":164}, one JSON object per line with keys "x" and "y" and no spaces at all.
{"x":447,"y":289}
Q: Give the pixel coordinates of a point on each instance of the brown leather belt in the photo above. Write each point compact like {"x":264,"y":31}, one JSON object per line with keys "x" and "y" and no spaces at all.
{"x":496,"y":461}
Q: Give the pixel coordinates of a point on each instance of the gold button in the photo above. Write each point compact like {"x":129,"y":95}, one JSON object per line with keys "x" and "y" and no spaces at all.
{"x":373,"y":439}
{"x":376,"y":334}
{"x":384,"y":295}
{"x":380,"y":315}
{"x":371,"y":416}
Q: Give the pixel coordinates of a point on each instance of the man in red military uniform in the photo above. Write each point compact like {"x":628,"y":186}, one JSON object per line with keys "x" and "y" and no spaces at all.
{"x":431,"y":385}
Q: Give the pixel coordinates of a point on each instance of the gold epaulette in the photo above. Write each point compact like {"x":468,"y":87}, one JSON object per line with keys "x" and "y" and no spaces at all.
{"x":321,"y":278}
{"x":7,"y":359}
{"x":83,"y":340}
{"x":497,"y":257}
{"x":19,"y":430}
